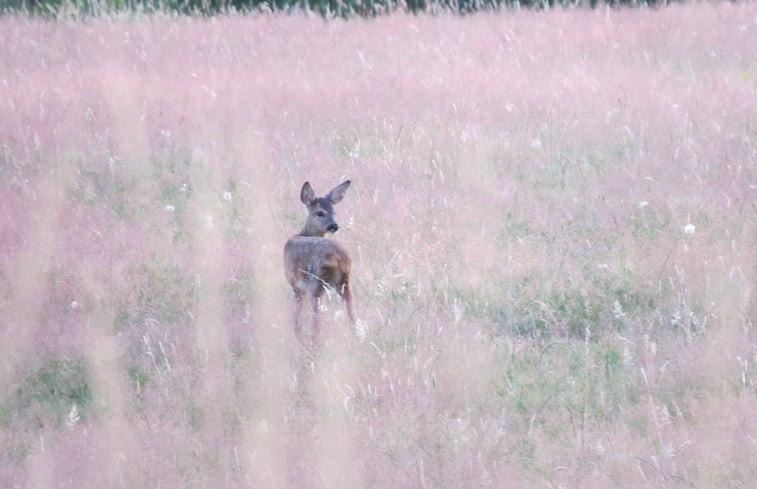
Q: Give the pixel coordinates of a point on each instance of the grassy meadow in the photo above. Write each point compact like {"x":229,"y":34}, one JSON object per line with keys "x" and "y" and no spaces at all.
{"x":553,"y":224}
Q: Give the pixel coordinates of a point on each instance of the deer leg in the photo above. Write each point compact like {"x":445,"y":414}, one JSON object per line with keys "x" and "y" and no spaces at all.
{"x":299,"y":297}
{"x":314,"y":298}
{"x":347,"y":296}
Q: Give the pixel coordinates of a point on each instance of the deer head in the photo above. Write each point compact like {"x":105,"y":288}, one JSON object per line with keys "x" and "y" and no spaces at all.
{"x":321,"y":218}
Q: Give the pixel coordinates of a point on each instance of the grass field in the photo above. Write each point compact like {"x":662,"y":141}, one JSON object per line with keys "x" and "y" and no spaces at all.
{"x":553,"y":223}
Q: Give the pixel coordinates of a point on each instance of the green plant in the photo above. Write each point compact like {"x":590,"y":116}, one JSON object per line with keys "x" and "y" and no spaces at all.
{"x":55,"y":389}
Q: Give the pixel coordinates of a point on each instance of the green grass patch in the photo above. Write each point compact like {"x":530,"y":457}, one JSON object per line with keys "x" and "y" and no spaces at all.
{"x":52,"y":391}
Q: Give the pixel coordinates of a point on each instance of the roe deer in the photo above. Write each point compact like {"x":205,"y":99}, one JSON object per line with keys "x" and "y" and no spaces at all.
{"x":315,"y":264}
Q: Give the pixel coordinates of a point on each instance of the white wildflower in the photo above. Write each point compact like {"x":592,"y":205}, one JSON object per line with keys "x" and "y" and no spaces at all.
{"x":675,"y":318}
{"x":74,"y":305}
{"x":536,"y":143}
{"x":73,"y":417}
{"x":354,"y":152}
{"x":603,"y":266}
{"x":617,"y":310}
{"x":643,"y":204}
{"x":689,"y":229}
{"x":227,"y":196}
{"x":169,"y":208}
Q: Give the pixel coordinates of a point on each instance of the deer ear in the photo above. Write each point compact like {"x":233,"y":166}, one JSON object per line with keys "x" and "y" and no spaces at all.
{"x":337,"y":193}
{"x":306,"y":194}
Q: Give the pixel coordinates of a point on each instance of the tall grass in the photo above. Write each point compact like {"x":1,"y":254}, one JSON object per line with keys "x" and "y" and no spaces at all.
{"x":552,"y":223}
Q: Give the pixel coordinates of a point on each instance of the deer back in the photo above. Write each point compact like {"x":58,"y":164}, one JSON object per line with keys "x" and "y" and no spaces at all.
{"x":313,"y":261}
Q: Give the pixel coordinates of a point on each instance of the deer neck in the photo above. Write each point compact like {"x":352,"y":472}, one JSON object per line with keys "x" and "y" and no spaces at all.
{"x":311,"y":230}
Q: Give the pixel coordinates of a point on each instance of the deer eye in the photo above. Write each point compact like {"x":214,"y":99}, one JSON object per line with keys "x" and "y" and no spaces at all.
{"x":320,"y":213}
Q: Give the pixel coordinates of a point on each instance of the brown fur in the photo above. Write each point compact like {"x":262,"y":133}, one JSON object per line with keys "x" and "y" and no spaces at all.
{"x":315,"y":264}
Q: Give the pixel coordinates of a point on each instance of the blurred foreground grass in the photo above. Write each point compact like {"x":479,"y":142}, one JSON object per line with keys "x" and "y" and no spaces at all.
{"x":552,"y":223}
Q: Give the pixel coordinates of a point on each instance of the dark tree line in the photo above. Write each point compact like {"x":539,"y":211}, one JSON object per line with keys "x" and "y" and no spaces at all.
{"x":336,"y":8}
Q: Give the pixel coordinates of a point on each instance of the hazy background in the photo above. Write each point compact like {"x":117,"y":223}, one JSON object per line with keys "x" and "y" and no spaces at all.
{"x":552,"y":224}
